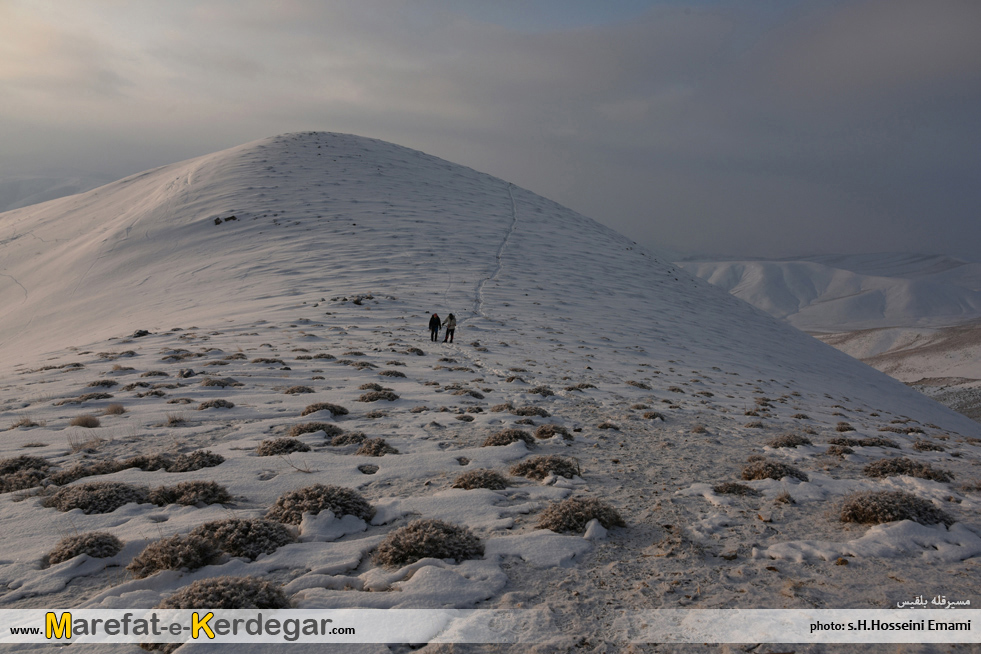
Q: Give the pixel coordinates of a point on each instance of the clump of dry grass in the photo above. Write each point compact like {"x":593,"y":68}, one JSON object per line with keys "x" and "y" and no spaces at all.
{"x":371,"y":386}
{"x":96,"y":497}
{"x":296,"y":390}
{"x":654,"y":415}
{"x":269,"y":361}
{"x":530,"y":411}
{"x":508,"y":436}
{"x":544,"y":391}
{"x":581,"y":386}
{"x":873,"y":441}
{"x":844,"y":426}
{"x":903,"y":466}
{"x":838,"y":450}
{"x":220,"y":382}
{"x":191,"y":493}
{"x":291,"y":506}
{"x":175,"y":419}
{"x":375,"y":447}
{"x":85,"y":420}
{"x":481,"y":479}
{"x":26,"y":422}
{"x":877,"y":507}
{"x":540,"y":467}
{"x":375,"y":396}
{"x":392,"y":373}
{"x":329,"y":429}
{"x":115,"y":409}
{"x":767,"y":469}
{"x":548,"y":431}
{"x":22,"y":472}
{"x":278,"y":446}
{"x":174,"y":553}
{"x":246,"y":538}
{"x":927,"y":446}
{"x":349,"y":438}
{"x":96,"y":544}
{"x":86,"y":469}
{"x":227,"y":593}
{"x":573,"y":514}
{"x":334,"y":409}
{"x":216,"y":404}
{"x":789,"y":440}
{"x":735,"y":488}
{"x":195,"y":461}
{"x":428,"y":538}
{"x":755,"y":424}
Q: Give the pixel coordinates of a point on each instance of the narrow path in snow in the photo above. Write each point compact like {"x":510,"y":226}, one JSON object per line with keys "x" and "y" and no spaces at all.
{"x":478,"y":300}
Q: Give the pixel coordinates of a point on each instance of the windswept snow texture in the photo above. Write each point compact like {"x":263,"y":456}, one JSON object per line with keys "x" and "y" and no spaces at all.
{"x":301,"y":270}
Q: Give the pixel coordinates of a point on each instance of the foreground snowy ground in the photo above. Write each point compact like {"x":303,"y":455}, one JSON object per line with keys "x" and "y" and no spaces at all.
{"x":325,"y":280}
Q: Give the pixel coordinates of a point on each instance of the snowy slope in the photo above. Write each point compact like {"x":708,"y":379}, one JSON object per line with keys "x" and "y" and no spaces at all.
{"x":22,"y":191}
{"x":845,"y":293}
{"x":340,"y":248}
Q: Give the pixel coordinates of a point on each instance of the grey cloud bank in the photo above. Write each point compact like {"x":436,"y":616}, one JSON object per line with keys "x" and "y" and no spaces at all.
{"x":763,"y":129}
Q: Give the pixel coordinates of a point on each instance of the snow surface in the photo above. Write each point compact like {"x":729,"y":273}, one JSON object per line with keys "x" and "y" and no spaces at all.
{"x":343,"y":245}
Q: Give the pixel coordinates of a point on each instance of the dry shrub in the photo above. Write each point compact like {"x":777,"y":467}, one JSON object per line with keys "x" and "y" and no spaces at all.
{"x":498,"y":408}
{"x":573,"y":514}
{"x":428,"y":538}
{"x":877,"y":507}
{"x":927,"y":446}
{"x":735,"y":488}
{"x":296,"y":390}
{"x":508,"y":436}
{"x":195,"y":461}
{"x":530,"y":411}
{"x":268,"y":360}
{"x":245,"y":538}
{"x":349,"y":438}
{"x":175,"y":419}
{"x":96,"y":497}
{"x":800,"y":416}
{"x":699,"y":428}
{"x":844,"y":426}
{"x":325,"y":356}
{"x":548,"y":431}
{"x":767,"y":469}
{"x":755,"y":424}
{"x":654,"y":415}
{"x":375,"y":447}
{"x":154,"y":373}
{"x":313,"y":427}
{"x":873,"y":441}
{"x":216,"y":404}
{"x":580,"y":386}
{"x":87,"y":421}
{"x":540,"y":467}
{"x":606,"y":424}
{"x":103,"y":383}
{"x":481,"y":479}
{"x":903,"y":466}
{"x":277,"y":446}
{"x":191,"y":493}
{"x":375,"y":396}
{"x":174,"y":553}
{"x":838,"y":450}
{"x":372,"y":387}
{"x":87,"y":469}
{"x":544,"y":391}
{"x":789,"y":440}
{"x":334,"y":409}
{"x":180,"y":400}
{"x":149,"y":462}
{"x":291,"y":506}
{"x":22,"y":472}
{"x":26,"y":422}
{"x":115,"y":409}
{"x":97,"y":544}
{"x":391,"y":373}
{"x":220,"y":382}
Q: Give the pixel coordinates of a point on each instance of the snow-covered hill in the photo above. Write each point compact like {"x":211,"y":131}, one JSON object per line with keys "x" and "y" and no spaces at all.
{"x":304,"y":268}
{"x":22,"y":191}
{"x":846,"y":293}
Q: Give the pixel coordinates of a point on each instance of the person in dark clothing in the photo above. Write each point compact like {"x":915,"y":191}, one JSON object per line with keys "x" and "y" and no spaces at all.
{"x":450,"y":324}
{"x":434,"y":325}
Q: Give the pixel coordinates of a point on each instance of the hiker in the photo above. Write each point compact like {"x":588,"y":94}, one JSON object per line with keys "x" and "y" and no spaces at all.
{"x":434,"y":324}
{"x":450,"y":324}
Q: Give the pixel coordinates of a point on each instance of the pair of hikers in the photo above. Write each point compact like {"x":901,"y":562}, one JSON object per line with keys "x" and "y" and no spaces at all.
{"x":435,"y":324}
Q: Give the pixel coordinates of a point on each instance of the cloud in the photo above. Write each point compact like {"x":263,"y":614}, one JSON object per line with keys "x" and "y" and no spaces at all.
{"x":747,"y":126}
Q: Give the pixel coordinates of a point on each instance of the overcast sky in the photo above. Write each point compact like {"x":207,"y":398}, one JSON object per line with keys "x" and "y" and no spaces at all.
{"x":763,"y":128}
